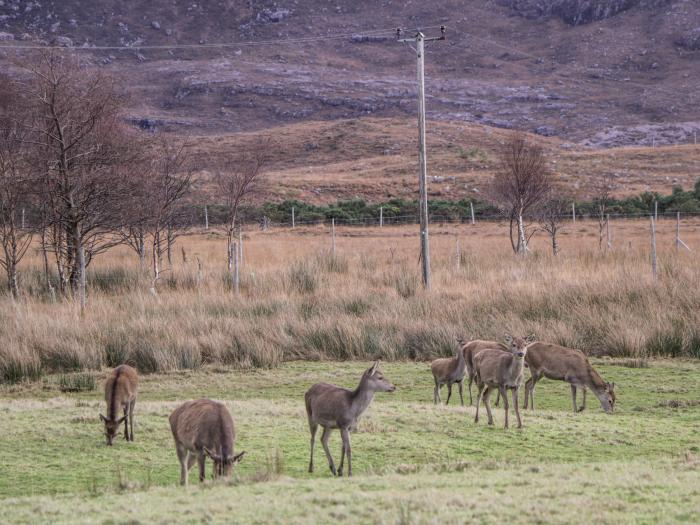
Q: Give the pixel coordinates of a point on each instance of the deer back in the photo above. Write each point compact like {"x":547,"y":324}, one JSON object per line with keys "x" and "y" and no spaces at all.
{"x":120,"y":388}
{"x":204,"y":424}
{"x":556,"y":362}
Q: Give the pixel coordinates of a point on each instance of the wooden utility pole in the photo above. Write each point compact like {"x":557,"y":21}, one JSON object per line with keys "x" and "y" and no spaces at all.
{"x":420,"y":41}
{"x":381,"y":216}
{"x":206,"y":218}
{"x":573,"y":211}
{"x":654,"y":264}
{"x":471,"y":210}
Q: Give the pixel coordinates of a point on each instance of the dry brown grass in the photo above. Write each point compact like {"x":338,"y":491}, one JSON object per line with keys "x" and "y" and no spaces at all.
{"x":299,"y":302}
{"x":377,"y":159}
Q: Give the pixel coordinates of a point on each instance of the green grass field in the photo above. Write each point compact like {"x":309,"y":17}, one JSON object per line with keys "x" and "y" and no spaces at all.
{"x":413,"y":462}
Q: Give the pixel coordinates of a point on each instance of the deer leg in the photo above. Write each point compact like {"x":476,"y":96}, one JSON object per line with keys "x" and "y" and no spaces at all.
{"x":183,"y":456}
{"x":436,"y":393}
{"x":573,"y":397}
{"x":487,"y":402}
{"x":471,"y":380}
{"x":461,"y":397}
{"x":449,"y":393}
{"x":200,"y":459}
{"x":313,"y":428}
{"x":324,"y":441}
{"x":498,"y":398}
{"x":504,"y":394}
{"x":126,"y":422}
{"x":583,"y":407}
{"x":479,"y":393}
{"x":345,"y":435}
{"x":517,"y":408}
{"x":527,"y":392}
{"x":131,"y":418}
{"x":342,"y":455}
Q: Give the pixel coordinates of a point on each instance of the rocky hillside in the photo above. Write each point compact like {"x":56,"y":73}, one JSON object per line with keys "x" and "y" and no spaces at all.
{"x":598,"y":73}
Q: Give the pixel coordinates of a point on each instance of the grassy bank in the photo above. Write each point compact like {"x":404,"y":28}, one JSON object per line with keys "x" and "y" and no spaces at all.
{"x":300,"y":302}
{"x":414,"y":462}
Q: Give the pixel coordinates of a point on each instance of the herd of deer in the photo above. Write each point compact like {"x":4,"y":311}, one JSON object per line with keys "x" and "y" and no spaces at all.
{"x":204,"y":428}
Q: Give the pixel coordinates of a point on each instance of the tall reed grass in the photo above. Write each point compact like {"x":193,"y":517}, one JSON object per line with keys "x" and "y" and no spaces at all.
{"x":298,"y":301}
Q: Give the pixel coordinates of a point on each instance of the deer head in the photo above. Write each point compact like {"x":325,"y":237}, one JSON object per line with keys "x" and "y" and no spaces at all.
{"x":223,"y":465}
{"x":111,"y":427}
{"x":607,"y":398}
{"x":375,"y":380}
{"x":516,"y":345}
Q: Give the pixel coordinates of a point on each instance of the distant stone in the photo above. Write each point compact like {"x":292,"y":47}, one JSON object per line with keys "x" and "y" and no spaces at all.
{"x":5,"y":37}
{"x":655,"y":65}
{"x":545,"y":131}
{"x":64,"y":41}
{"x":73,"y":22}
{"x":25,"y":36}
{"x":168,"y":32}
{"x":155,"y":24}
{"x":279,"y":15}
{"x":690,"y":40}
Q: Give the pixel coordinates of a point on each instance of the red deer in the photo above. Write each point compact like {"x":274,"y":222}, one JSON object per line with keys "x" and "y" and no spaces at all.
{"x":204,"y":428}
{"x":470,"y":349}
{"x":566,"y":364}
{"x":446,"y":371}
{"x":120,"y":394}
{"x":334,"y":407}
{"x":502,"y":370}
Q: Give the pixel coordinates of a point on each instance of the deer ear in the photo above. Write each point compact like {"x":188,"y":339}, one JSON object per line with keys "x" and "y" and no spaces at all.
{"x":508,"y":338}
{"x":373,"y":370}
{"x":121,"y":419}
{"x":530,"y":338}
{"x":209,"y":453}
{"x":103,"y":418}
{"x":238,"y":457}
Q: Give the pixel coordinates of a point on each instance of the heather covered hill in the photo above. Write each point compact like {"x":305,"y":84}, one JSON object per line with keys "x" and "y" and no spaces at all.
{"x":602,"y":73}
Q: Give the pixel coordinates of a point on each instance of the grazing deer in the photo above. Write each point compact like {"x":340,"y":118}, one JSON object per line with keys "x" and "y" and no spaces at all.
{"x":204,"y":428}
{"x":502,"y":370}
{"x":566,"y":364}
{"x":470,"y":349}
{"x":446,"y":371}
{"x":334,"y":407}
{"x":120,"y":394}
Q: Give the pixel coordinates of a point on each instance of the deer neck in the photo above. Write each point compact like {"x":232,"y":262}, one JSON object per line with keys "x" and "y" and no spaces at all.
{"x":595,"y":382}
{"x":361,"y":398}
{"x":461,"y":363}
{"x":515,"y":369}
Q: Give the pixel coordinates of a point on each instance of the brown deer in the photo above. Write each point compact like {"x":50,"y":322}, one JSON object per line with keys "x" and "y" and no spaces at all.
{"x":503,"y":370}
{"x":334,"y":407}
{"x":446,"y":371}
{"x":470,"y":349}
{"x":204,"y":428}
{"x":566,"y":364}
{"x":120,"y":394}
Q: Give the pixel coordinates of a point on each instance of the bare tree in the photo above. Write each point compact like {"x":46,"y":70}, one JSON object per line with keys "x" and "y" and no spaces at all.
{"x":169,"y":181}
{"x":237,"y":179}
{"x":602,"y":203}
{"x":80,"y":146}
{"x":551,"y":216}
{"x":521,"y":183}
{"x":16,"y":186}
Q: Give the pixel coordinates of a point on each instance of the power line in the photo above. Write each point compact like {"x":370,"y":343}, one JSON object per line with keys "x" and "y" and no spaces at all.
{"x":248,"y":43}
